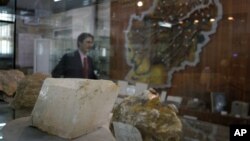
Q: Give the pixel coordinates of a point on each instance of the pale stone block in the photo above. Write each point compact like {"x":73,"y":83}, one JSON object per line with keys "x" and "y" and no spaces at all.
{"x":70,"y":108}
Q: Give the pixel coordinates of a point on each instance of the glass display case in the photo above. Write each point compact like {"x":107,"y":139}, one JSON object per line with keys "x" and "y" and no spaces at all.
{"x":188,"y":49}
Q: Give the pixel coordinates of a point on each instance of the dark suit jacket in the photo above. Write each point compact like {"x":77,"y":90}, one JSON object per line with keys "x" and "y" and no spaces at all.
{"x":70,"y":66}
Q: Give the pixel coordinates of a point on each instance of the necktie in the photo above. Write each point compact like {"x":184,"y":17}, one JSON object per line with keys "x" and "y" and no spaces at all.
{"x":85,"y":67}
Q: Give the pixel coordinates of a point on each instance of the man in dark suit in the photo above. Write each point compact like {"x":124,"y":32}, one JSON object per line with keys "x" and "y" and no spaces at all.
{"x":77,"y":64}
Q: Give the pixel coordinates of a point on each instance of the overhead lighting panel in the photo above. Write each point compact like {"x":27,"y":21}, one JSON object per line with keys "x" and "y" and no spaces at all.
{"x":165,"y":24}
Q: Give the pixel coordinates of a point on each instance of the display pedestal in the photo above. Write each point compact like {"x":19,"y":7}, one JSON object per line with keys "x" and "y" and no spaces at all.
{"x":20,"y":130}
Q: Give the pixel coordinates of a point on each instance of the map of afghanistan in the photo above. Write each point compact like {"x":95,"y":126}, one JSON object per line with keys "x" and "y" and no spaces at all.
{"x":168,"y":37}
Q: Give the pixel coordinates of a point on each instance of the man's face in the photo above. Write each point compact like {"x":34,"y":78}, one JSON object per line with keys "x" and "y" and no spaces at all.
{"x":86,"y":44}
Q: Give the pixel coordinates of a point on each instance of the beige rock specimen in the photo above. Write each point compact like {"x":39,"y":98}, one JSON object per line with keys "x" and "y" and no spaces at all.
{"x":70,"y":108}
{"x":9,"y":80}
{"x":26,"y":94}
{"x":28,"y":91}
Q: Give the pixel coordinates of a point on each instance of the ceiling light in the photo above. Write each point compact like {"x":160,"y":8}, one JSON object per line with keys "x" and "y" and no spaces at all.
{"x":165,"y":24}
{"x":230,"y":18}
{"x":57,"y":0}
{"x":139,"y":3}
{"x":212,"y":20}
{"x":196,"y":21}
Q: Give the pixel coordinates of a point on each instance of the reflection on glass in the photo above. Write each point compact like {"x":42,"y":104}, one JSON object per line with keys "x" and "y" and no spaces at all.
{"x":6,"y":45}
{"x":7,"y":17}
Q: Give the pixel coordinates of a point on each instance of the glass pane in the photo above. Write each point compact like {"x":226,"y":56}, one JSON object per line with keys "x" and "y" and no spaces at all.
{"x":6,"y":45}
{"x":7,"y":12}
{"x":197,"y":50}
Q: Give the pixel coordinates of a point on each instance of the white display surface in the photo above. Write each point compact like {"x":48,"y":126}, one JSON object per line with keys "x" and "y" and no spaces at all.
{"x":20,"y":130}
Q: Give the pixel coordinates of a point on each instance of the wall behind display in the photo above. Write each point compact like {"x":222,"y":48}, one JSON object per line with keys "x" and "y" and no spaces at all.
{"x":25,"y":51}
{"x":42,"y":56}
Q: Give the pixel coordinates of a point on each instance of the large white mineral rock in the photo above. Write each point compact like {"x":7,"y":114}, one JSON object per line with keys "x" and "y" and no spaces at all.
{"x":70,"y":108}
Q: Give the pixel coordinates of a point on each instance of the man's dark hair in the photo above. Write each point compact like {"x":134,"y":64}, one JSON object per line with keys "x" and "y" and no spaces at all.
{"x":83,"y":36}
